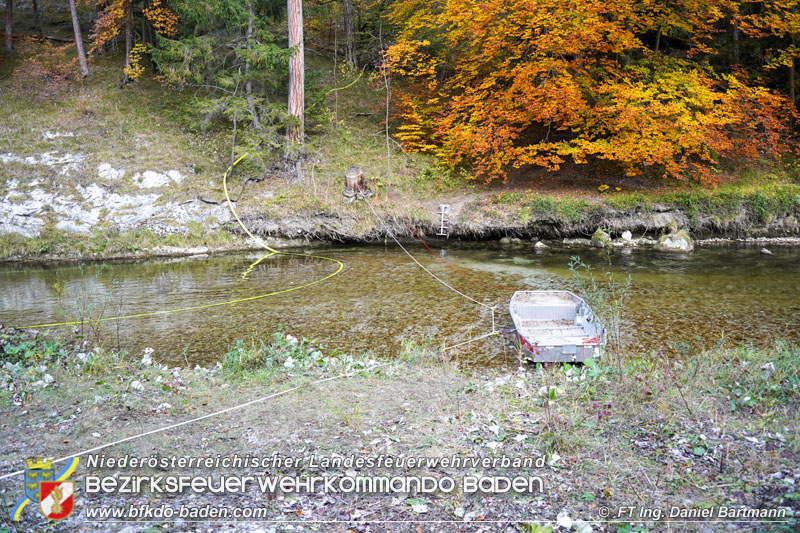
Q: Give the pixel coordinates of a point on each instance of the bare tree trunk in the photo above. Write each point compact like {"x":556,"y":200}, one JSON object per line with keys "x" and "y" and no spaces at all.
{"x":37,"y":18}
{"x":128,"y":38}
{"x":296,"y":72}
{"x":248,"y":85}
{"x":76,"y":27}
{"x":9,"y":16}
{"x":792,"y":66}
{"x":736,"y":55}
{"x":658,"y":39}
{"x":349,"y":34}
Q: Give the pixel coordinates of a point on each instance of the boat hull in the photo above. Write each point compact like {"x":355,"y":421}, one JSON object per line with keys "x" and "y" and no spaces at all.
{"x":556,"y":327}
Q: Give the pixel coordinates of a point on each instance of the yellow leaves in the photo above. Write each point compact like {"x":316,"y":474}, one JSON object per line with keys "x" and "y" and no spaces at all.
{"x":509,"y":83}
{"x":135,"y":68}
{"x":164,"y":20}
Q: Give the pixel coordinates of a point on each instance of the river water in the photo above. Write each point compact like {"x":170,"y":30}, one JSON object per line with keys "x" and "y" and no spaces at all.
{"x":675,"y":302}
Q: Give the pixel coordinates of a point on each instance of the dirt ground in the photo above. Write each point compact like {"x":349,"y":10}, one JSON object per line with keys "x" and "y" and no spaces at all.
{"x":599,"y":439}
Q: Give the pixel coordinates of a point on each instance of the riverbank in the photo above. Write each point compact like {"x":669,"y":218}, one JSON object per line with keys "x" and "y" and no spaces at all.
{"x":91,"y":171}
{"x":708,"y":429}
{"x":730,"y":215}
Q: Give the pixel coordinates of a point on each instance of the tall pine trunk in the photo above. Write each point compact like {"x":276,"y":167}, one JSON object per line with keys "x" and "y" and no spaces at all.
{"x":349,"y":34}
{"x":37,"y":18}
{"x":248,"y":84}
{"x":296,"y":72}
{"x":128,"y":38}
{"x":792,"y":83}
{"x":76,"y":27}
{"x":9,"y":16}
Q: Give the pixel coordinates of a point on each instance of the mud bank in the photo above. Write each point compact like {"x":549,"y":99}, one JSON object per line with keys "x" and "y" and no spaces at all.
{"x":481,"y":222}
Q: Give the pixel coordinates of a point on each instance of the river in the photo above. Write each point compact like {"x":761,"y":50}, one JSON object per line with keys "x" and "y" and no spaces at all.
{"x":381,"y":298}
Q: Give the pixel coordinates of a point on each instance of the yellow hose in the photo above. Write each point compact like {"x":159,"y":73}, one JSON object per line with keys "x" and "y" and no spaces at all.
{"x":261,"y":243}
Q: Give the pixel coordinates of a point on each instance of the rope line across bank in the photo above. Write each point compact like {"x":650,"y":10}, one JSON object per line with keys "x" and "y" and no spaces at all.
{"x":72,"y":460}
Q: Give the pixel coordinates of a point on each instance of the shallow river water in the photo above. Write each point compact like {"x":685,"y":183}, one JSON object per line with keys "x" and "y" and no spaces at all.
{"x":382,"y":298}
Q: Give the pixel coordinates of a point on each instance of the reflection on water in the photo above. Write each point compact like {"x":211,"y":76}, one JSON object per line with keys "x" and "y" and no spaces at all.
{"x":382,"y":298}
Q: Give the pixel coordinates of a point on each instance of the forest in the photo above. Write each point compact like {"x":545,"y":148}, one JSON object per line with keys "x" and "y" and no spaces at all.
{"x":686,"y":90}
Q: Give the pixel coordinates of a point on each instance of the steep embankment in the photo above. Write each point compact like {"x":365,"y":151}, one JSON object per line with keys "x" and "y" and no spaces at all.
{"x":730,"y":213}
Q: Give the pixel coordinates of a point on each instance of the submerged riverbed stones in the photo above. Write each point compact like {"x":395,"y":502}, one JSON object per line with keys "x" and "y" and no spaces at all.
{"x":677,"y":241}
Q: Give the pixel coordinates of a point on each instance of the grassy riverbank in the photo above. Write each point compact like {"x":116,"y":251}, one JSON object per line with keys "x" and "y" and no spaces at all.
{"x":699,"y":430}
{"x":63,"y":141}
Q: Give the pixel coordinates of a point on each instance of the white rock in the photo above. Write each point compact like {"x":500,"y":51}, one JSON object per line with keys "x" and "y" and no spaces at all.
{"x":96,"y":435}
{"x":540,"y":245}
{"x":175,"y":176}
{"x":289,"y":362}
{"x":581,"y":526}
{"x":419,"y":508}
{"x":563,"y":520}
{"x":627,"y":236}
{"x":106,"y":171}
{"x":49,"y":135}
{"x":291,"y":340}
{"x":137,"y":385}
{"x":152,"y":179}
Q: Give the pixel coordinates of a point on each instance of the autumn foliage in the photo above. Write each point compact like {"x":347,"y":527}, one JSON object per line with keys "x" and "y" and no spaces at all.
{"x":501,"y":84}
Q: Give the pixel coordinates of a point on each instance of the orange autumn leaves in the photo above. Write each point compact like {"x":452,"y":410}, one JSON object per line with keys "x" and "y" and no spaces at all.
{"x":500,"y":84}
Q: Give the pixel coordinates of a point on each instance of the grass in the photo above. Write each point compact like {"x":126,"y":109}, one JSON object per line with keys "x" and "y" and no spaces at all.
{"x":53,"y":242}
{"x":707,"y":428}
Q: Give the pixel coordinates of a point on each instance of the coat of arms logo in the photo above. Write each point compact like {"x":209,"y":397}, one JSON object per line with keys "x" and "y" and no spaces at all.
{"x":56,"y":495}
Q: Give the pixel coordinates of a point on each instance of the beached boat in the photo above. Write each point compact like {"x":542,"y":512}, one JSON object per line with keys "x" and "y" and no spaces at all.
{"x":556,"y":326}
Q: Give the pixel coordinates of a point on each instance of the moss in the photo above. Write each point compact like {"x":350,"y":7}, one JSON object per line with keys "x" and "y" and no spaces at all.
{"x":601,"y":238}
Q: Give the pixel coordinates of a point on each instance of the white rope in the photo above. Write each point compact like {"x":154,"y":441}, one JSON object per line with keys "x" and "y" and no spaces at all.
{"x":434,"y":276}
{"x":287,"y":391}
{"x":209,"y":415}
{"x":491,"y":334}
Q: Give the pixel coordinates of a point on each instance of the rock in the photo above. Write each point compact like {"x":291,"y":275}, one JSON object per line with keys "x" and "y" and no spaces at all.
{"x":137,"y":385}
{"x":627,"y":236}
{"x":505,"y":240}
{"x":516,"y":240}
{"x":175,"y":176}
{"x":678,"y":241}
{"x":765,"y":251}
{"x":563,"y":520}
{"x":107,"y":172}
{"x":150,"y":179}
{"x":600,"y":239}
{"x":147,"y":359}
{"x":71,"y":226}
{"x":540,"y":245}
{"x":577,"y":242}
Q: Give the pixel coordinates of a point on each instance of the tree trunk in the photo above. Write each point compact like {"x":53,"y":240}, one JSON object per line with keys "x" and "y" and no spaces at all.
{"x":736,"y":54}
{"x":128,"y":38}
{"x":9,"y":16}
{"x":296,"y":72}
{"x":792,"y":66}
{"x":349,"y":34}
{"x":248,"y":84}
{"x":37,"y":18}
{"x":76,"y":27}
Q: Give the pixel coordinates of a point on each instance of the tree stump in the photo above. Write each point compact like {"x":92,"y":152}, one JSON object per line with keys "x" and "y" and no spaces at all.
{"x":355,"y":184}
